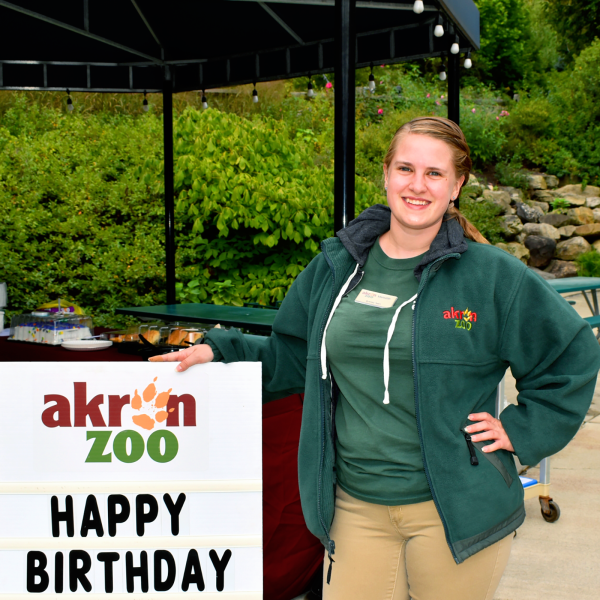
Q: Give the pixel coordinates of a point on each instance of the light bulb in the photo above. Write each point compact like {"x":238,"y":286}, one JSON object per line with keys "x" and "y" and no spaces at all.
{"x":372,"y":82}
{"x":254,"y":96}
{"x":418,"y":7}
{"x":145,"y":106}
{"x":468,"y":63}
{"x":204,"y":101}
{"x":442,"y":75}
{"x":311,"y":92}
{"x":70,"y":106}
{"x":438,"y":31}
{"x":454,"y":48}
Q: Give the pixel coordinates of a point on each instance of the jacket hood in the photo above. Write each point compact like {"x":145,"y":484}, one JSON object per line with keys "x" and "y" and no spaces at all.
{"x":361,"y":233}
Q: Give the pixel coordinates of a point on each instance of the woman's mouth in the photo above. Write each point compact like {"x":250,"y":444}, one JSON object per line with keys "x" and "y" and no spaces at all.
{"x":416,"y":203}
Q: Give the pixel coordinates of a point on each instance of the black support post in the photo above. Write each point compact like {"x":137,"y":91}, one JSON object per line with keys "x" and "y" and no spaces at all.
{"x":454,"y":87}
{"x":169,"y":190}
{"x":345,"y":113}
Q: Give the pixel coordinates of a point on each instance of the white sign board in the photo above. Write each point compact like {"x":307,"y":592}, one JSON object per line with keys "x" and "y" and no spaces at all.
{"x":130,"y":479}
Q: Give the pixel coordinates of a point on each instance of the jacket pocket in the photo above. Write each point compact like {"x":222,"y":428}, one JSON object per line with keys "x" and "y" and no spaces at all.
{"x":490,"y":456}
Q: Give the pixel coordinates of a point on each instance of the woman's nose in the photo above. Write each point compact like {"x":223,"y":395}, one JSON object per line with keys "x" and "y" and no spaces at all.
{"x":417,"y":184}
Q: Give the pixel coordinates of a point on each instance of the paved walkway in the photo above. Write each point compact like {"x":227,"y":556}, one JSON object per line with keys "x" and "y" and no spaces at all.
{"x":561,"y":560}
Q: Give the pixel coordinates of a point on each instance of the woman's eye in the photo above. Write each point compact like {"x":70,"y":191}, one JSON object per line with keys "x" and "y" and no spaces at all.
{"x":405,"y":169}
{"x":435,"y":173}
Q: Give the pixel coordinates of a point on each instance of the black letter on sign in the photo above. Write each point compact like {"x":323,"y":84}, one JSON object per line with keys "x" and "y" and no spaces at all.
{"x":91,"y":518}
{"x":58,"y":516}
{"x":220,"y":566}
{"x":167,"y":584}
{"x":115,"y":517}
{"x":192,"y":572}
{"x":59,"y":567}
{"x":37,"y":570}
{"x":141,"y":517}
{"x":108,"y":558}
{"x":78,"y":573}
{"x":141,"y":571}
{"x":174,"y":510}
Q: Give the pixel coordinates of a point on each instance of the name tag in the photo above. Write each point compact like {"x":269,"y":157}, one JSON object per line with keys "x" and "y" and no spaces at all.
{"x":376,"y":299}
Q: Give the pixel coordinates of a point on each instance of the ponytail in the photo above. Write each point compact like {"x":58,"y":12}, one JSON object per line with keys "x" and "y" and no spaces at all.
{"x":470,"y":230}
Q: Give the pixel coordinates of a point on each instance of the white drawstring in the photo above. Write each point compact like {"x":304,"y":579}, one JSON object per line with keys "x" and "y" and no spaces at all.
{"x":386,"y":351}
{"x":335,"y":305}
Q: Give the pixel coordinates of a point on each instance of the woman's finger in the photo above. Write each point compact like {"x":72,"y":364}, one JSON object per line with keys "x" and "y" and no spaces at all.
{"x":201,"y":354}
{"x":172,"y":357}
{"x":497,"y":445}
{"x":480,"y":417}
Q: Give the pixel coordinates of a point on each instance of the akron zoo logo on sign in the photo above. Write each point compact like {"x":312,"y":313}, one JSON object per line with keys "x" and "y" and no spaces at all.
{"x":150,"y":408}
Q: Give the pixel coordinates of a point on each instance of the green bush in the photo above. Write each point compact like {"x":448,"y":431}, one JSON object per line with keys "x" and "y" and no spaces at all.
{"x":588,"y":264}
{"x":483,"y":215}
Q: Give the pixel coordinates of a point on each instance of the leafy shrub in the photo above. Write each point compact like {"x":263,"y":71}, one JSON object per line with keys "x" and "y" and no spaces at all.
{"x":510,"y":174}
{"x":588,"y":264}
{"x":483,"y":215}
{"x":484,"y":134}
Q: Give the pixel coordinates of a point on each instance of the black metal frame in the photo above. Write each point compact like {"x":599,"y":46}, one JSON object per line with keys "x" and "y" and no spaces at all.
{"x":348,"y":50}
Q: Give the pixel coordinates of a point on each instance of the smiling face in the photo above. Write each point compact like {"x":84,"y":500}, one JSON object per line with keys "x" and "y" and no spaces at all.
{"x":421,"y":181}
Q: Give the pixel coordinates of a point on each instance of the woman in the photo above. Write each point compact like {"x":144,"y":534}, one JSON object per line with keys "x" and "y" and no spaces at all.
{"x":399,"y":333}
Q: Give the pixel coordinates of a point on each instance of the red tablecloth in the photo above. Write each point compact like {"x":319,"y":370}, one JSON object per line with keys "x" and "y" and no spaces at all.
{"x":291,"y":553}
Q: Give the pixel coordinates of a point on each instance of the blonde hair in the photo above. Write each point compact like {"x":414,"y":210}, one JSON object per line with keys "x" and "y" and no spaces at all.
{"x":451,"y":134}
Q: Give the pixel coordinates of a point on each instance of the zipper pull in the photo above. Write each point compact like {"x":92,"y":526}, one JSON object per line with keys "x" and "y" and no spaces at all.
{"x":474,"y":460}
{"x":331,"y":561}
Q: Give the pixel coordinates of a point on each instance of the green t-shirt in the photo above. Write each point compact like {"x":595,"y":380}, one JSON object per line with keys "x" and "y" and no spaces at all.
{"x":378,"y":451}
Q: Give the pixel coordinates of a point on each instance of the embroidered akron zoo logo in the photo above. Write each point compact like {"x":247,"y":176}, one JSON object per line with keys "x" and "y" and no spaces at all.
{"x":128,"y":445}
{"x":464,"y":318}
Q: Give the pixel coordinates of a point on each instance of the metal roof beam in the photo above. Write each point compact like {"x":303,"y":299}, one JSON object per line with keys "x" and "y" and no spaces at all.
{"x":281,"y":22}
{"x":82,"y":32}
{"x":149,"y":27}
{"x":359,"y":4}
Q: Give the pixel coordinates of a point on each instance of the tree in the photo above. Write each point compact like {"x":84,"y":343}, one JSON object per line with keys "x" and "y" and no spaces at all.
{"x":577,"y":21}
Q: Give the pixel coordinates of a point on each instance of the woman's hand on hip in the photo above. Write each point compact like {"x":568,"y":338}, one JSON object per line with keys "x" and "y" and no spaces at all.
{"x":194,"y":355}
{"x":492,"y":430}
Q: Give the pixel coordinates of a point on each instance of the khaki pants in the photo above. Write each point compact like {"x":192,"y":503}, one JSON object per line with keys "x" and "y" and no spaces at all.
{"x":401,"y":553}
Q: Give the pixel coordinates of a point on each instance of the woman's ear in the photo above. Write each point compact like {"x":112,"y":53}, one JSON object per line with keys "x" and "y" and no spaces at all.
{"x":457,"y":186}
{"x":385,"y":176}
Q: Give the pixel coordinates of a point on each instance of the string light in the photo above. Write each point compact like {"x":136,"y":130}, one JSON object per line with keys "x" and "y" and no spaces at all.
{"x":418,"y":7}
{"x":468,"y":62}
{"x":439,"y":28}
{"x":70,"y":106}
{"x":254,"y":95}
{"x":204,"y":100}
{"x":311,"y":92}
{"x":145,"y":105}
{"x":442,"y":71}
{"x":372,"y":80}
{"x":455,"y":48}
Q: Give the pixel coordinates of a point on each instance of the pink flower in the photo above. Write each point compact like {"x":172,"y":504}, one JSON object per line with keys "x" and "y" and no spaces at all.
{"x":428,"y":95}
{"x":472,"y":110}
{"x":438,"y":102}
{"x":380,"y":111}
{"x":381,"y":83}
{"x":442,"y":96}
{"x":497,"y":118}
{"x":382,"y":66}
{"x":329,"y":85}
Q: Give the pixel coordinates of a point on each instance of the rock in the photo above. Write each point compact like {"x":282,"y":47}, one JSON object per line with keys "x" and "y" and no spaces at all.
{"x":592,"y":202}
{"x":570,"y":249}
{"x":551,"y":181}
{"x":596,"y":245}
{"x":592,"y":230}
{"x":596,"y":213}
{"x":471,"y":191}
{"x":536,"y":182}
{"x":562,"y":268}
{"x":541,"y":229}
{"x":555,"y":219}
{"x":543,"y":274}
{"x":516,"y":195}
{"x":543,"y":196}
{"x":567,"y":231}
{"x":529,"y":214}
{"x":576,"y":190}
{"x":576,"y":200}
{"x":473,"y":180}
{"x":541,"y":250}
{"x":521,"y":238}
{"x":579,"y":216}
{"x":499,"y":198}
{"x":543,"y":205}
{"x":511,"y":225}
{"x":517,"y":250}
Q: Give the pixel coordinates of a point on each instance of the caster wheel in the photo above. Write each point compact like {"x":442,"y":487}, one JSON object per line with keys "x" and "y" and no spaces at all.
{"x":552,"y":514}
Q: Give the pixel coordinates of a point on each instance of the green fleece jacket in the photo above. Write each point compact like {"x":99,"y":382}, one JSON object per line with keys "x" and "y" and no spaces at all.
{"x":478,"y":311}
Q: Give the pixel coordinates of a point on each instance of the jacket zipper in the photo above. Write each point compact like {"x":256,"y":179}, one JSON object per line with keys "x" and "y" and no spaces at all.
{"x":416,"y":392}
{"x":474,"y":459}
